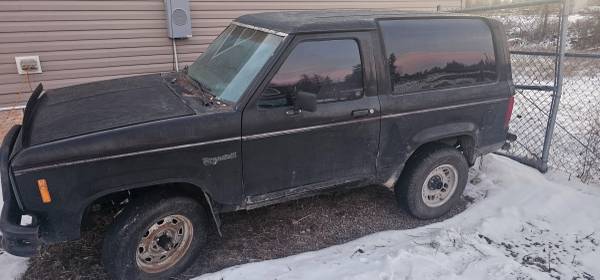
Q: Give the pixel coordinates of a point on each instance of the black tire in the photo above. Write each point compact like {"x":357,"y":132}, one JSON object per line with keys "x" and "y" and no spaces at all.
{"x":119,"y":252}
{"x":410,"y":186}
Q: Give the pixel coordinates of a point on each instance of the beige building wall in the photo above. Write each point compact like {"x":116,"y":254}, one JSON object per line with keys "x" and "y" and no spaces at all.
{"x":81,"y":41}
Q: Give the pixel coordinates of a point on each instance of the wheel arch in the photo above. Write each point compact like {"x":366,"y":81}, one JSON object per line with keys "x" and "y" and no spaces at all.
{"x":174,"y":187}
{"x":464,"y":141}
{"x":461,"y":135}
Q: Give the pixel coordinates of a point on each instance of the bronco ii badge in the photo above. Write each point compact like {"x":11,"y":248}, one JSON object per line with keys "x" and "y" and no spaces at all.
{"x":207,"y":161}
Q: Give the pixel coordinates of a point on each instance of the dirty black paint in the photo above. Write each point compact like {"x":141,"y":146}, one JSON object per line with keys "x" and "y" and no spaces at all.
{"x":158,"y":130}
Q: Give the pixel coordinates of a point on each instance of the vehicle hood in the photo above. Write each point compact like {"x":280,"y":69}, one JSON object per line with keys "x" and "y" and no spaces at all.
{"x":87,"y":108}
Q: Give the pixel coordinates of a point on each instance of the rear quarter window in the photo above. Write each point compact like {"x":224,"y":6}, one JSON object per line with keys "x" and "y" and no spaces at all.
{"x":428,"y":54}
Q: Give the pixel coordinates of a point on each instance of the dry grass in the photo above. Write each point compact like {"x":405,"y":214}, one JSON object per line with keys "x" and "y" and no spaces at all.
{"x":8,"y":119}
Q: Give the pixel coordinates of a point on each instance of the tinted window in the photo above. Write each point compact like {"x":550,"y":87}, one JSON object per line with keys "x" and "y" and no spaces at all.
{"x":330,"y":69}
{"x":438,"y":53}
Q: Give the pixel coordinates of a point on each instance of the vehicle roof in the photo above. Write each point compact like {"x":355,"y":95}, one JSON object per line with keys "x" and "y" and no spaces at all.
{"x":329,"y":20}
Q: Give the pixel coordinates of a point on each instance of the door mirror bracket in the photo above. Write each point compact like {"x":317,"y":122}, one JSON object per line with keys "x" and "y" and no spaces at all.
{"x":305,"y":101}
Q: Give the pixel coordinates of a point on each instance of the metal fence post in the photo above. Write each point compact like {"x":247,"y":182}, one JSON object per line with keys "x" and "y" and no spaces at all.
{"x":558,"y":83}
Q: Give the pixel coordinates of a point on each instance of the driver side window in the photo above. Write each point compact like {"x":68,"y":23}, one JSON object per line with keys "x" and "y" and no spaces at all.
{"x":330,"y":69}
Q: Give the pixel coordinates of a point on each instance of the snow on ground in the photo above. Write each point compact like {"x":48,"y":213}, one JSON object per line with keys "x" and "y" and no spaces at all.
{"x":11,"y":267}
{"x":521,"y":225}
{"x":574,"y":137}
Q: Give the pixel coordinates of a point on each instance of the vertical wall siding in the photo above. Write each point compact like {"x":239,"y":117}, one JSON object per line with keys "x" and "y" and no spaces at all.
{"x":81,"y":41}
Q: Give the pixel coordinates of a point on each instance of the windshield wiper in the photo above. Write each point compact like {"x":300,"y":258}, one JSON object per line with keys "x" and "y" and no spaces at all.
{"x":202,"y":87}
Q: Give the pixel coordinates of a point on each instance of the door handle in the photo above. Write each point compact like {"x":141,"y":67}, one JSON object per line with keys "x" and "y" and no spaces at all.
{"x":362,"y":112}
{"x":293,"y":112}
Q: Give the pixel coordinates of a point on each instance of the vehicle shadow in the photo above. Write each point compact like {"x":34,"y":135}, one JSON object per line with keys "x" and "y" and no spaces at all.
{"x":249,"y":236}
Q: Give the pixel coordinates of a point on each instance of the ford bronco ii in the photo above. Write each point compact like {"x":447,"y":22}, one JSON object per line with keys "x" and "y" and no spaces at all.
{"x":282,"y":105}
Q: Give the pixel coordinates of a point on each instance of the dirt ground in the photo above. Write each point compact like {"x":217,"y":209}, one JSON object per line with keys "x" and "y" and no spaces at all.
{"x":8,"y":119}
{"x":249,"y":236}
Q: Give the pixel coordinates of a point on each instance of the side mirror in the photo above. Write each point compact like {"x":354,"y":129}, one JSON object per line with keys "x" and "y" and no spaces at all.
{"x":305,"y":101}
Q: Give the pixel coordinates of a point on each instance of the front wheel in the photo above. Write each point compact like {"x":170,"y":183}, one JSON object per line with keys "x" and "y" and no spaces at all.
{"x":433,"y":181}
{"x":155,"y":237}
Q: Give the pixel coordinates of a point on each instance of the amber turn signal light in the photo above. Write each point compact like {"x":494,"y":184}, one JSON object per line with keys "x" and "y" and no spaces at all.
{"x":44,"y":193}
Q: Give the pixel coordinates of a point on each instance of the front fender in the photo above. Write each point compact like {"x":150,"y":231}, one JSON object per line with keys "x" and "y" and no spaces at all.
{"x":74,"y":186}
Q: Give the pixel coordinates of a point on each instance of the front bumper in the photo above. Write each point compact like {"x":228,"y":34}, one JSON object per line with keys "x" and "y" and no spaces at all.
{"x":17,"y":240}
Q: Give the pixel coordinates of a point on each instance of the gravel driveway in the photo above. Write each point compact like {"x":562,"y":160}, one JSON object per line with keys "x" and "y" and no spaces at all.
{"x":249,"y":236}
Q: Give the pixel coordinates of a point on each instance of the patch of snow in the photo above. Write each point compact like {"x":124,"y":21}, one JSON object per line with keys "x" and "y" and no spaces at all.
{"x":577,"y":17}
{"x":576,"y":117}
{"x":522,"y":224}
{"x":11,"y":267}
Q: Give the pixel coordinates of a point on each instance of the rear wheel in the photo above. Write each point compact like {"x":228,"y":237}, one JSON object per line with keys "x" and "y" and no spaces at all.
{"x":433,"y":181}
{"x":155,"y":238}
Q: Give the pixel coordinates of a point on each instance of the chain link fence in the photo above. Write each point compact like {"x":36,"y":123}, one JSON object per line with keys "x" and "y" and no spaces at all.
{"x":557,"y":103}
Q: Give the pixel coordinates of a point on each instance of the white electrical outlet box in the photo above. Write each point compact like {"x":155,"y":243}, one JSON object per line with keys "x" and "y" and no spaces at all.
{"x":179,"y":21}
{"x":28,"y":64}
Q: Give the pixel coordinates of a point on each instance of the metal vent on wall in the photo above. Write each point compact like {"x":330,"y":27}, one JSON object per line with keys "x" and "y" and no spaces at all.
{"x":178,"y":18}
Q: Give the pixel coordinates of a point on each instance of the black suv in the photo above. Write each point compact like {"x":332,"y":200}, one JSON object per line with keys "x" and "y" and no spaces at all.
{"x":281,"y":105}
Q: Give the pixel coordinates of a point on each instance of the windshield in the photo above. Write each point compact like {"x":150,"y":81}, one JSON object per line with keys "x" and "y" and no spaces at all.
{"x":233,"y":60}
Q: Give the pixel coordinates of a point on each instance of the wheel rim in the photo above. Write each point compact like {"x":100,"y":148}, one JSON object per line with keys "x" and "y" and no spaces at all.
{"x":440,"y":185}
{"x":164,"y":243}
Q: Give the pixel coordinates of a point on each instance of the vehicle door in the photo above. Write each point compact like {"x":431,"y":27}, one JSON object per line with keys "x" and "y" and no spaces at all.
{"x":285,"y":146}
